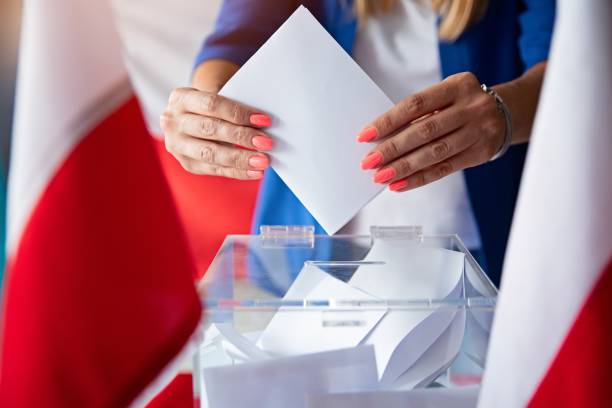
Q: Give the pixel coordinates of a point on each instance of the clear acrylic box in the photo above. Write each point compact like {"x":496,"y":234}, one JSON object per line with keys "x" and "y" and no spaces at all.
{"x":245,"y":285}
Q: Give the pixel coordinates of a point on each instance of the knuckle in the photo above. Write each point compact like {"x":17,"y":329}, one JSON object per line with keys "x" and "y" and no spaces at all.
{"x":468,"y":80}
{"x":428,"y":130}
{"x":236,"y":159}
{"x":415,"y":103}
{"x":440,"y":150}
{"x":208,"y":127}
{"x":385,"y":123}
{"x":443,"y":169}
{"x":209,"y":102}
{"x":176,"y":96}
{"x":207,"y":153}
{"x":236,"y":113}
{"x":218,"y":171}
{"x":390,"y":149}
{"x":405,"y":167}
{"x":242,"y":136}
{"x":419,"y":179}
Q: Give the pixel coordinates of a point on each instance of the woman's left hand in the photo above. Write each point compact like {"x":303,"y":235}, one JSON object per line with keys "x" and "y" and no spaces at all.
{"x":448,"y":127}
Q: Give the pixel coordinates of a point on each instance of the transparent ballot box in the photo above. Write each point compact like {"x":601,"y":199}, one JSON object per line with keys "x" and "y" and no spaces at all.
{"x":294,"y":319}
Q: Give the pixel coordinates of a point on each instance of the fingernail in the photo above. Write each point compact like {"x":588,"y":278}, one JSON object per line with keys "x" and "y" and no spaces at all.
{"x":259,"y":162}
{"x":254,"y":174}
{"x":384,"y":175}
{"x":259,"y":119}
{"x":398,"y":185}
{"x":367,"y":134}
{"x":262,"y":142}
{"x":371,"y":161}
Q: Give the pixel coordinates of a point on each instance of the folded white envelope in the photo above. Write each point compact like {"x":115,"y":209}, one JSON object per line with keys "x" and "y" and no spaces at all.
{"x":319,"y":99}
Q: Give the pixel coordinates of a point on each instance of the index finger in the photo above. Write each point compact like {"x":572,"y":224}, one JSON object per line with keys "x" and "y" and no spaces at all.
{"x":408,"y":110}
{"x":213,"y":105}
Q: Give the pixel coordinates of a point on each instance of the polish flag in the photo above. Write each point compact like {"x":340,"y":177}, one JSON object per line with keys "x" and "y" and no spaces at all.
{"x":99,"y":304}
{"x":551,"y":343}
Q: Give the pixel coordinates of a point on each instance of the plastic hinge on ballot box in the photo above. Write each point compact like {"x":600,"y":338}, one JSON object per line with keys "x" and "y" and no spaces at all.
{"x":294,"y":319}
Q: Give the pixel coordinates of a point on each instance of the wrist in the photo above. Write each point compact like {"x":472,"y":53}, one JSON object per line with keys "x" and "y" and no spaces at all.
{"x":521,"y":98}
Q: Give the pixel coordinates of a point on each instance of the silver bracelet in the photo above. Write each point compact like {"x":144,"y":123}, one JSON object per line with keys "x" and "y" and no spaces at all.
{"x":508,"y":118}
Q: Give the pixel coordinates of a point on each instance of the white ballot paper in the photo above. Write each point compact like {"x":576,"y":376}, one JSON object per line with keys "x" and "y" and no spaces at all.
{"x":408,"y":272}
{"x":319,"y":100}
{"x":438,"y":357}
{"x":310,"y":331}
{"x":287,"y":382}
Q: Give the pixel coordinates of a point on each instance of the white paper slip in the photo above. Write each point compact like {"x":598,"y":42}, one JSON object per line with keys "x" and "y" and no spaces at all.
{"x":460,"y":397}
{"x":413,"y":272}
{"x":292,"y":332}
{"x":319,"y":99}
{"x":286,"y":382}
{"x":437,"y":358}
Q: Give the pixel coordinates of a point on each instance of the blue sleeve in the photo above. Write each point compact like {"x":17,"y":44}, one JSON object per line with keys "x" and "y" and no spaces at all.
{"x":242,"y":27}
{"x":536,"y":20}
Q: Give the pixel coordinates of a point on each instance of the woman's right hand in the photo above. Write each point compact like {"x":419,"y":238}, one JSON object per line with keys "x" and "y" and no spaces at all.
{"x":203,"y":131}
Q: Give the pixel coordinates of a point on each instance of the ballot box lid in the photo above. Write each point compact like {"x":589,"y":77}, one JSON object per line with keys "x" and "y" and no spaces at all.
{"x":255,"y":272}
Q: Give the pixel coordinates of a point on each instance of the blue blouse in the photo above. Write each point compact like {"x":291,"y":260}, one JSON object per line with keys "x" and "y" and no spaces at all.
{"x":513,"y":36}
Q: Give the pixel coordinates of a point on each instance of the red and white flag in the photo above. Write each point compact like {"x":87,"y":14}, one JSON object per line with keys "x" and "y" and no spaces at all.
{"x":99,"y":300}
{"x":551,"y":343}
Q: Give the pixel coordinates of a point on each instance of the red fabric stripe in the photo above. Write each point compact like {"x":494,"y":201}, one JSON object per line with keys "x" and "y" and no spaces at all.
{"x":210,"y":207}
{"x":178,"y":394}
{"x":580,"y":375}
{"x":100,"y":294}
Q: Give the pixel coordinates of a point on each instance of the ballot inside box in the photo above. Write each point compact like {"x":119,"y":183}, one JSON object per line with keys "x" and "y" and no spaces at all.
{"x":295,"y":319}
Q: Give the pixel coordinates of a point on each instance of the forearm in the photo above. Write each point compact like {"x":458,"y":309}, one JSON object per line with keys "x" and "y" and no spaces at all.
{"x":521,"y":96}
{"x":211,"y":75}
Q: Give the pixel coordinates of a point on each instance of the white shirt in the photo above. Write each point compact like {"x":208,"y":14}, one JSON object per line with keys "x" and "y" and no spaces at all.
{"x":399,"y":51}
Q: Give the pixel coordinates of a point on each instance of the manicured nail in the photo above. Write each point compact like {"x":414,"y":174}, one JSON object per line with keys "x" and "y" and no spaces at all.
{"x":367,"y":134}
{"x":259,"y":119}
{"x":372,"y":160}
{"x":398,"y":185}
{"x":254,"y":174}
{"x":262,"y":142}
{"x":259,"y":162}
{"x":384,"y":175}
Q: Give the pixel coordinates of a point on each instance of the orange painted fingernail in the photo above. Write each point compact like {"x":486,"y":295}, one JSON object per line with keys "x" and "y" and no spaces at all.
{"x":254,"y":174}
{"x":259,"y":119}
{"x":372,"y":160}
{"x":259,"y":162}
{"x":262,"y":142}
{"x":398,"y":185}
{"x":367,"y":134}
{"x":384,"y":175}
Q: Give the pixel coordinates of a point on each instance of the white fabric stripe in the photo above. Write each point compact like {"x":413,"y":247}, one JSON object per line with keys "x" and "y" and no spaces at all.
{"x":69,"y":58}
{"x":161,"y":40}
{"x":562,"y":237}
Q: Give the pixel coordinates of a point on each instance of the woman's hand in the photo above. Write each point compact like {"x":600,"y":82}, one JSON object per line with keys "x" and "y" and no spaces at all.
{"x":202,"y":130}
{"x":448,"y":127}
